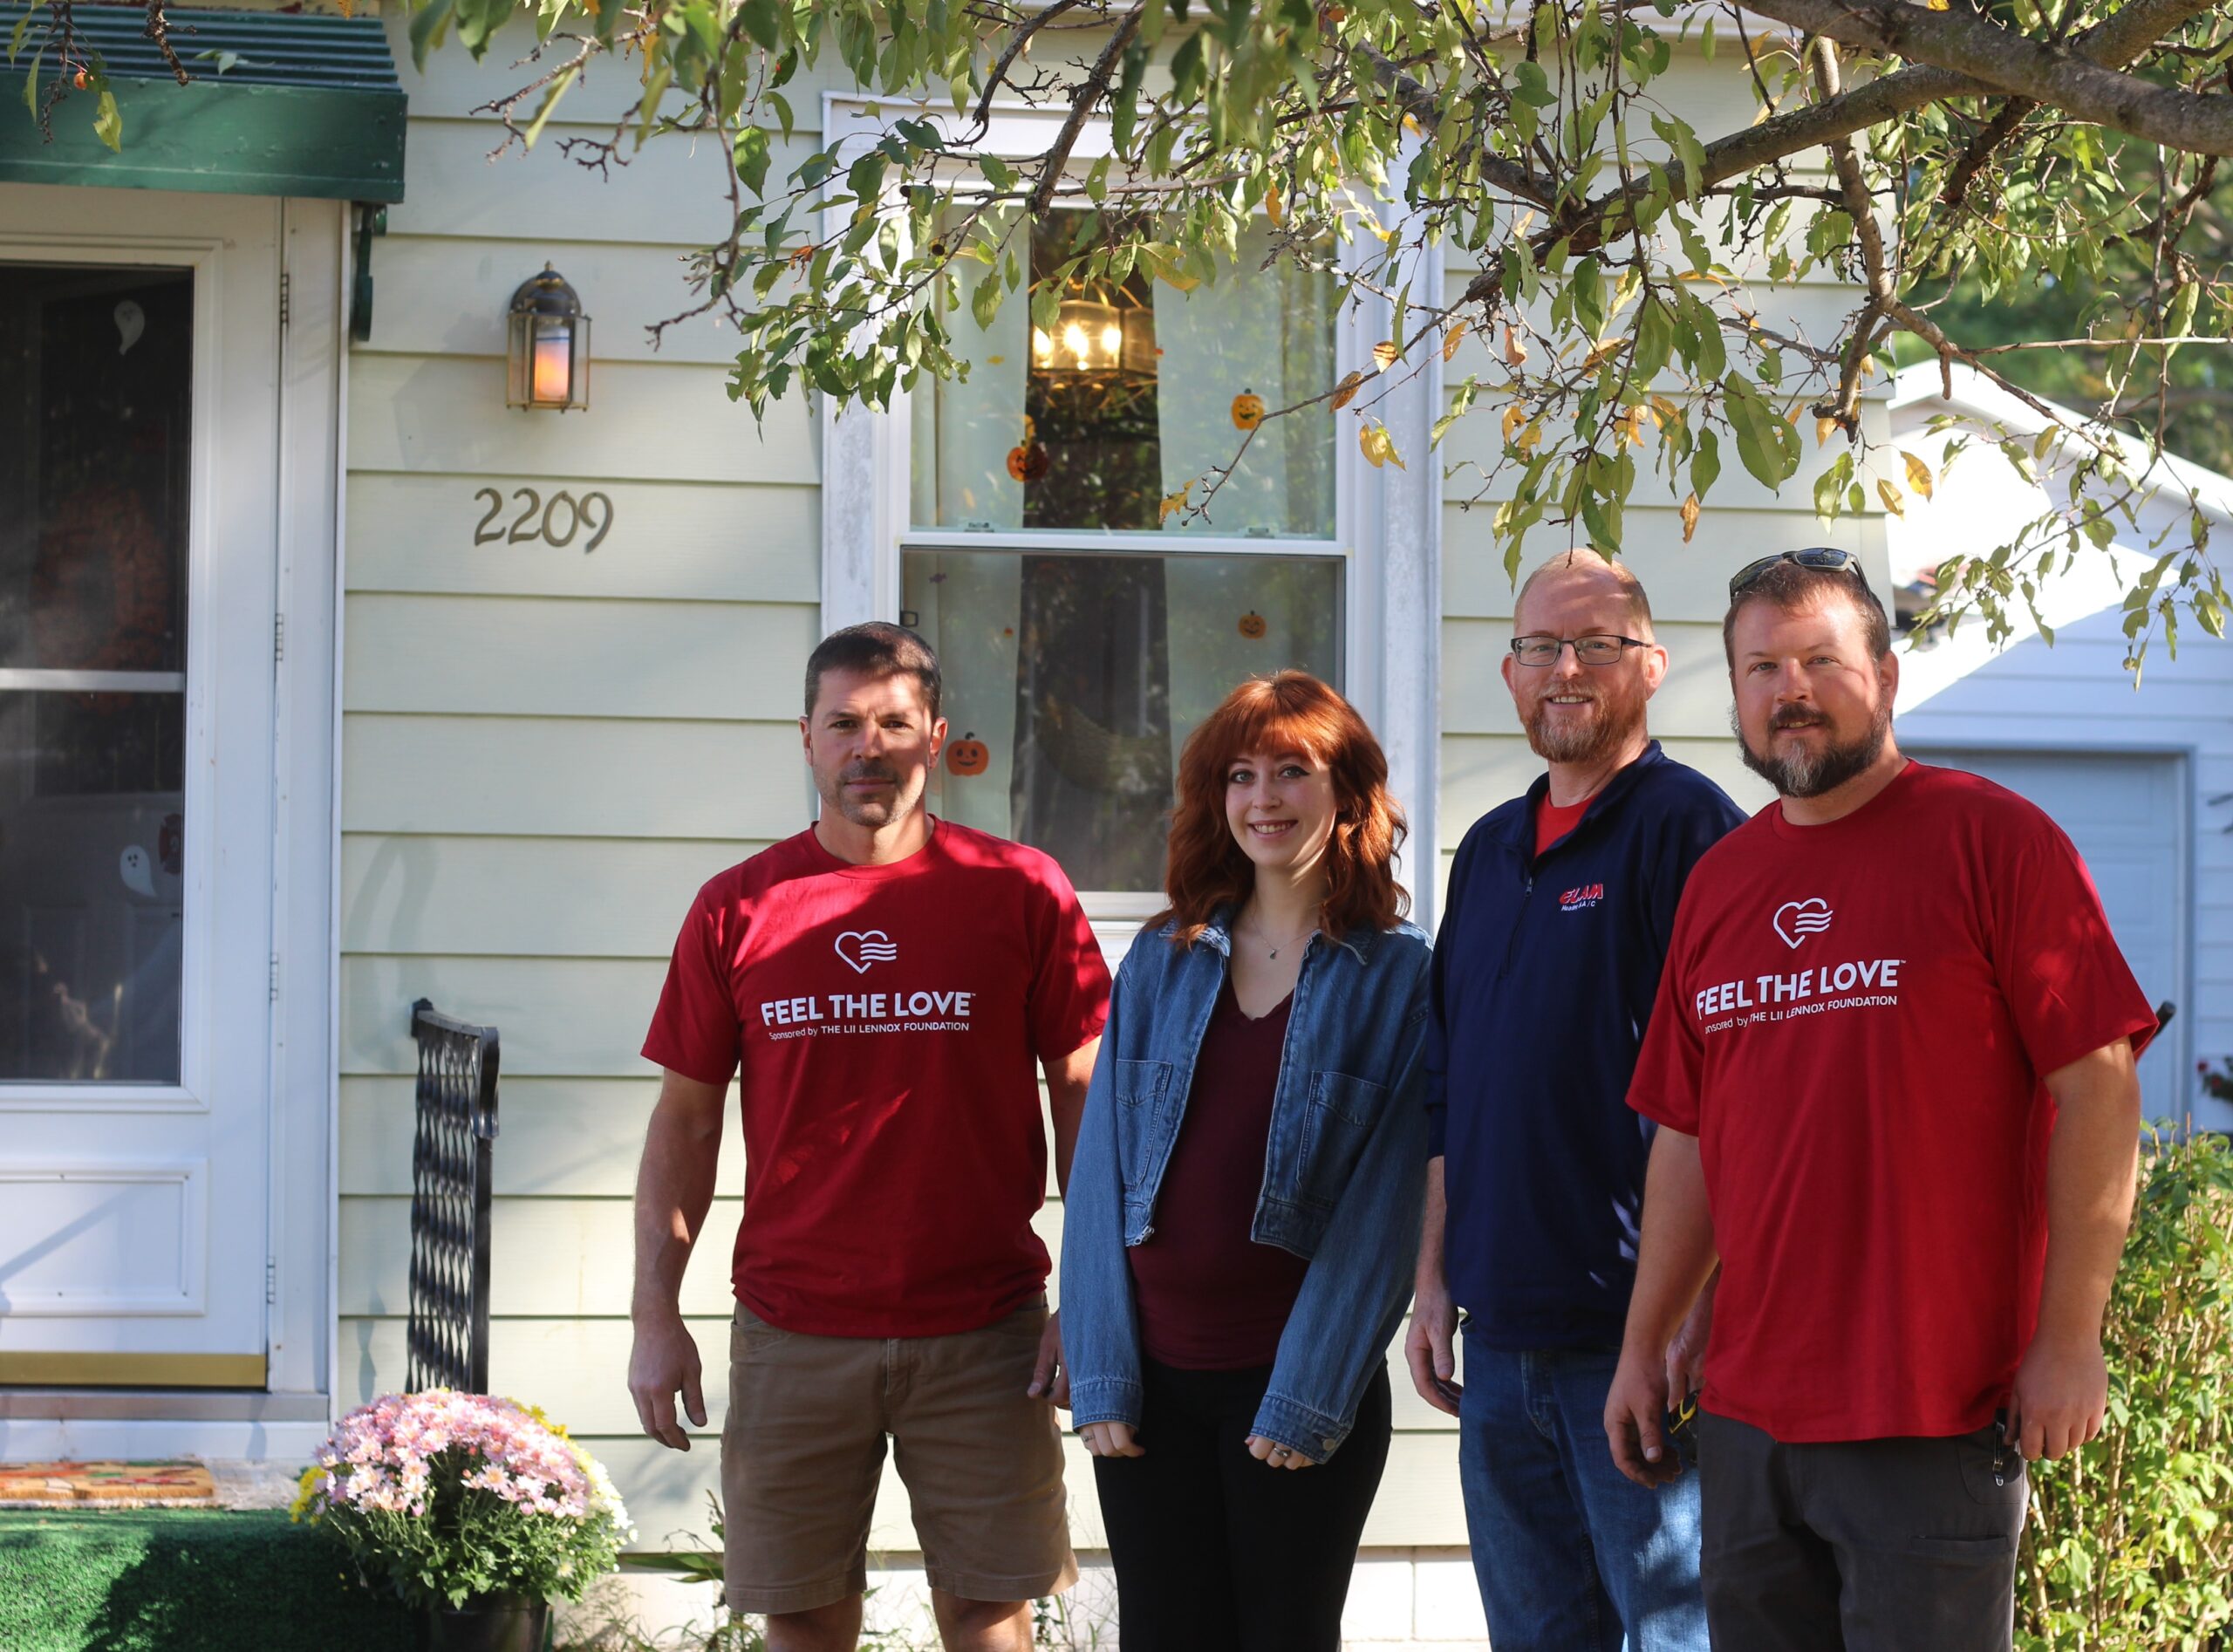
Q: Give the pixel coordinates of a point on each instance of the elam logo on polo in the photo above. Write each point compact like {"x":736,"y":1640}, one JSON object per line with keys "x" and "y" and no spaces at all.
{"x":1849,"y":984}
{"x":901,"y":1010}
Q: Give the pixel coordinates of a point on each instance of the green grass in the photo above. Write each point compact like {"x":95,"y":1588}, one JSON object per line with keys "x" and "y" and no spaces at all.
{"x":184,"y":1581}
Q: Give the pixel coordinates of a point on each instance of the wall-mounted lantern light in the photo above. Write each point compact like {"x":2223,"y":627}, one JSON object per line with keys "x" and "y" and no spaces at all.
{"x":548,"y":349}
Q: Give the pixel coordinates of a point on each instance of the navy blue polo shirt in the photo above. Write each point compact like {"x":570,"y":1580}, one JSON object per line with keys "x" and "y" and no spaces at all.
{"x":1543,"y":977}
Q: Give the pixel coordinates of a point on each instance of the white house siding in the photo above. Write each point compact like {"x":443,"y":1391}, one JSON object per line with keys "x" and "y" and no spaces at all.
{"x":545,"y":750}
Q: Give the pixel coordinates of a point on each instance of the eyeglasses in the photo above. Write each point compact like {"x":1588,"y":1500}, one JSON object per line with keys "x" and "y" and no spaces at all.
{"x":1590,"y":651}
{"x":1823,"y":558}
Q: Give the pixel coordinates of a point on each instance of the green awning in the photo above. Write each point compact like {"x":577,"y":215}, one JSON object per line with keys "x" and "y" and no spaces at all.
{"x":278,"y":106}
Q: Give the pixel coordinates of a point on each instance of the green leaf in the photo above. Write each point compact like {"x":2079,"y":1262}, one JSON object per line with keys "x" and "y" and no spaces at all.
{"x":109,"y":124}
{"x":1705,"y":464}
{"x":763,"y":20}
{"x":984,"y":301}
{"x":427,"y":24}
{"x":1589,"y":292}
{"x":751,"y":155}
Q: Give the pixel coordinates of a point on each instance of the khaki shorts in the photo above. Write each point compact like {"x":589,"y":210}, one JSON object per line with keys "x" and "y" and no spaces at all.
{"x":803,"y":1452}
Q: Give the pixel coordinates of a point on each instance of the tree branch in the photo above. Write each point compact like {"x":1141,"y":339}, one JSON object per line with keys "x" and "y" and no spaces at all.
{"x":1096,"y":87}
{"x":1845,"y":405}
{"x":2069,"y":79}
{"x":1017,"y":41}
{"x":1996,"y":132}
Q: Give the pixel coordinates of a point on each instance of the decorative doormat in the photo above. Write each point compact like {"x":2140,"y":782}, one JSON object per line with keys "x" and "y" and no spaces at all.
{"x":125,"y":1486}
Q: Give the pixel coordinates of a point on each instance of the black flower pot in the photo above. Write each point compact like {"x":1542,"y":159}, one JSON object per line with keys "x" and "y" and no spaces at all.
{"x":491,"y":1623}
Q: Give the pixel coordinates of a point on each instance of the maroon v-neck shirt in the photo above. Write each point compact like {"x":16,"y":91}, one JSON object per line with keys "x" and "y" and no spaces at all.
{"x":1210,"y":1298}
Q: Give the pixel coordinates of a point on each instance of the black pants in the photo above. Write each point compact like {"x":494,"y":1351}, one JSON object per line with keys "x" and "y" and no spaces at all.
{"x":1870,"y":1546}
{"x":1216,"y":1550}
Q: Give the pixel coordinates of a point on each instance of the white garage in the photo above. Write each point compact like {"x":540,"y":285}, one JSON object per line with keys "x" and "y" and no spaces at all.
{"x":2141,"y":778}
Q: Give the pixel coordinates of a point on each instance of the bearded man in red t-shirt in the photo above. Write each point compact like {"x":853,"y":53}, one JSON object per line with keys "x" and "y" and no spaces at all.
{"x":1893,"y":1061}
{"x":887,"y":983}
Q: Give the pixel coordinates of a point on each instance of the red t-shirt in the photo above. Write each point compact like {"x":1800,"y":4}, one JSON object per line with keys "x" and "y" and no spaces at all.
{"x":1554,"y":821}
{"x":1853,"y":1020}
{"x":1210,"y":1298}
{"x":888,"y":1019}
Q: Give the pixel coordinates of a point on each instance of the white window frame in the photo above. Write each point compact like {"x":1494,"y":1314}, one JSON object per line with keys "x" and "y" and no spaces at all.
{"x":1387,"y":521}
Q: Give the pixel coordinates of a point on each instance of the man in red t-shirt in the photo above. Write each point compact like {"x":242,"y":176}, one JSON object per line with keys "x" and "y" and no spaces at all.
{"x":887,"y":982}
{"x":1893,"y":1060}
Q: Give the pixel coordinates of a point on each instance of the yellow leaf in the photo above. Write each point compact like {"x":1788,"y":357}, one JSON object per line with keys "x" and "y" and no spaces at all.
{"x":1378,"y":447}
{"x":1386,"y":354}
{"x":1690,"y":514}
{"x":1601,"y":354}
{"x":1918,"y":474}
{"x":1824,"y":429}
{"x":1381,"y":230}
{"x":1515,"y":347}
{"x":1172,"y":503}
{"x":1890,"y":496}
{"x":1665,"y":411}
{"x":1632,"y":424}
{"x":1514,"y":416}
{"x":1184,"y":283}
{"x":1346,"y":391}
{"x":1274,"y":208}
{"x":1532,"y":437}
{"x":1937,"y":5}
{"x":1453,"y":339}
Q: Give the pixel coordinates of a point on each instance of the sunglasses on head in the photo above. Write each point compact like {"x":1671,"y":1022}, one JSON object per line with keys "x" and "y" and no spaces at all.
{"x":1823,"y":558}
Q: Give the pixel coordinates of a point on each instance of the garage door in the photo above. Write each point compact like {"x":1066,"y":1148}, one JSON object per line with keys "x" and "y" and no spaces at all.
{"x":2125,"y":814}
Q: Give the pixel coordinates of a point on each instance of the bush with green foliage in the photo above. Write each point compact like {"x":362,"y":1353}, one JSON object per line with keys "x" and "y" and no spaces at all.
{"x":2129,"y":1545}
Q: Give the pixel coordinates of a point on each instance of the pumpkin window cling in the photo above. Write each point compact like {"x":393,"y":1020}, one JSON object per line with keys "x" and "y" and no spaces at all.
{"x":1029,"y":460}
{"x":1247,"y":410}
{"x":967,"y":756}
{"x":1251,"y":625}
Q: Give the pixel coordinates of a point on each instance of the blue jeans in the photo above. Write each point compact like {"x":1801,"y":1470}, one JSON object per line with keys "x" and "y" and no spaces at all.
{"x":1571,"y":1555}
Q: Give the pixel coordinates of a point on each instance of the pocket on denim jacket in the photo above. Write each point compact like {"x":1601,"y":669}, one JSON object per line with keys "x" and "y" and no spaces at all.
{"x":1144,"y":1105}
{"x":1335,"y":1126}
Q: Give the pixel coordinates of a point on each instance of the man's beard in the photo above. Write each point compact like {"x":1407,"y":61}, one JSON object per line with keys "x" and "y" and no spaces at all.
{"x":862,"y":811}
{"x":1801,"y":772}
{"x":1579,"y":742}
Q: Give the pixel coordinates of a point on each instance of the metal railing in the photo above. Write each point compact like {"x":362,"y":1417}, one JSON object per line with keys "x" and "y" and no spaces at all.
{"x":450,"y":1177}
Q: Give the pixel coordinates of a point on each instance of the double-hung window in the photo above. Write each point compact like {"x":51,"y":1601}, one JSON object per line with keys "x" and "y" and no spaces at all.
{"x":1040,"y":523}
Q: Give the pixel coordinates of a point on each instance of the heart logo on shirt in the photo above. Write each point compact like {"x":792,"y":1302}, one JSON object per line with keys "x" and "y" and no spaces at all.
{"x":862,"y":947}
{"x":1797,"y":919}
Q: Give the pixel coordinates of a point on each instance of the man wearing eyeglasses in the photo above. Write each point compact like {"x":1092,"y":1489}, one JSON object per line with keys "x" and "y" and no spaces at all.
{"x":1559,"y":908}
{"x":1893,"y":1063}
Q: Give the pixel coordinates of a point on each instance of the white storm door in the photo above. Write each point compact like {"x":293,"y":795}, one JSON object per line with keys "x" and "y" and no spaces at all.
{"x":139,"y":398}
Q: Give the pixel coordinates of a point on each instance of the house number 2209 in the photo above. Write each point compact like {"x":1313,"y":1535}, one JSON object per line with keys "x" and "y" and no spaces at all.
{"x":557,"y":523}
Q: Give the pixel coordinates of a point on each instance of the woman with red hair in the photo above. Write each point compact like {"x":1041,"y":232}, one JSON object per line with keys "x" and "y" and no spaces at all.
{"x":1243,"y":1211}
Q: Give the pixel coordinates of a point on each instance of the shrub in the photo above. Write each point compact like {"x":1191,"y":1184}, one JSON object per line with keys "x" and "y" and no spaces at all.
{"x":2127,"y":1546}
{"x":438,"y":1497}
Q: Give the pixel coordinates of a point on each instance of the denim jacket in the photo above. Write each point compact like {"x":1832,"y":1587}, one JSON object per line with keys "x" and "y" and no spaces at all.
{"x":1344,"y":1169}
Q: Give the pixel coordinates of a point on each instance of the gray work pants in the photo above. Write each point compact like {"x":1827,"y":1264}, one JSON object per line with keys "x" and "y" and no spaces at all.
{"x":1870,"y":1546}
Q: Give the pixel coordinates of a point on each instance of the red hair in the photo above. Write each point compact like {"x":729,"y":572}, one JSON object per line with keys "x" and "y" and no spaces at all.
{"x":1288,"y":711}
